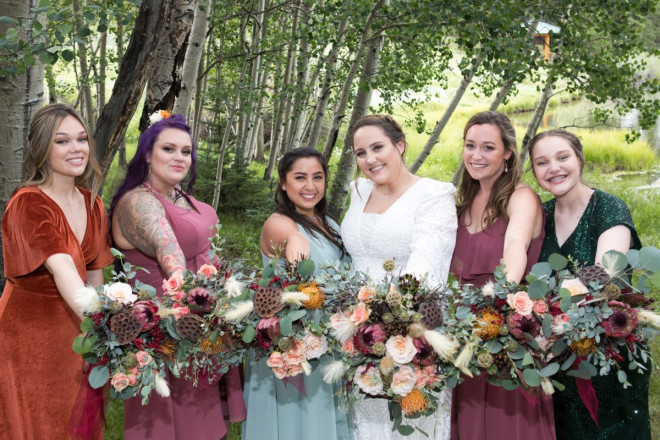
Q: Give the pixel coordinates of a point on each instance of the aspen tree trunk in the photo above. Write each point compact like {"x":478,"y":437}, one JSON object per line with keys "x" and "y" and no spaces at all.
{"x":302,"y":79}
{"x":442,"y":123}
{"x":100,"y":84}
{"x":322,"y":105}
{"x":340,"y":108}
{"x":193,"y":58}
{"x":292,"y":60}
{"x":534,"y":123}
{"x":21,"y":97}
{"x":87,"y":103}
{"x":276,"y":131}
{"x":346,"y":165}
{"x":164,"y":81}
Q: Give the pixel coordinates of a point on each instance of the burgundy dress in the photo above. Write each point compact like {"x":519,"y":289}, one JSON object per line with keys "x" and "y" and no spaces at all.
{"x":190,"y":413}
{"x":480,"y":410}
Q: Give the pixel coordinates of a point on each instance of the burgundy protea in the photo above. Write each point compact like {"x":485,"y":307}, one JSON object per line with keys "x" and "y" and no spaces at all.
{"x":368,"y":335}
{"x":267,"y":330}
{"x":621,"y":322}
{"x":201,"y":299}
{"x":147,"y":312}
{"x":425,"y":354}
{"x":519,"y":325}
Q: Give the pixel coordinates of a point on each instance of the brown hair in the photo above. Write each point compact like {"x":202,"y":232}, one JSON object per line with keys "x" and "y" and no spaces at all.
{"x":44,"y":125}
{"x":505,"y":183}
{"x":573,"y":141}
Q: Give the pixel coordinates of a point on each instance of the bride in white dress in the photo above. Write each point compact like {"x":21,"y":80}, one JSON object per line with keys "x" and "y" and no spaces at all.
{"x":395,"y":214}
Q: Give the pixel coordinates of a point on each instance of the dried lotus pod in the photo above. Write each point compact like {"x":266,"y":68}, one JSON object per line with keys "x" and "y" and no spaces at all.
{"x":125,"y":326}
{"x":598,"y":274}
{"x":190,"y":326}
{"x":267,"y":301}
{"x":431,"y":313}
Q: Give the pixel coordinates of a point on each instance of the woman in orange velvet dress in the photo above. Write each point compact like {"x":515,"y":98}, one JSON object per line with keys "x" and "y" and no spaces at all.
{"x":55,"y":240}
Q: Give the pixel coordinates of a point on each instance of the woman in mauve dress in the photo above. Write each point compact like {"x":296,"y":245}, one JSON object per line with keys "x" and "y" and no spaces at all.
{"x":499,"y":219}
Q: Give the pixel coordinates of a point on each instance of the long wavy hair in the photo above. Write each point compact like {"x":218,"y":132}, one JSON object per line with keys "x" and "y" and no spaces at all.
{"x":138,"y":169}
{"x":286,"y":207}
{"x":505,"y":183}
{"x":572,"y":140}
{"x":41,"y":136}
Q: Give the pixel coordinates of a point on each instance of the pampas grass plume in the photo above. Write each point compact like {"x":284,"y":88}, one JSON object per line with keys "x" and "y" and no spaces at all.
{"x":87,"y":299}
{"x":239,"y":311}
{"x":463,"y":360}
{"x":649,"y":318}
{"x":333,"y":372}
{"x":343,"y":328}
{"x":161,"y":386}
{"x":233,"y":287}
{"x":294,"y":298}
{"x":547,"y":387}
{"x":445,"y":346}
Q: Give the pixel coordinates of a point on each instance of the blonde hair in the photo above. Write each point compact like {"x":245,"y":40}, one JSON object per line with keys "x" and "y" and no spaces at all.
{"x":44,"y":125}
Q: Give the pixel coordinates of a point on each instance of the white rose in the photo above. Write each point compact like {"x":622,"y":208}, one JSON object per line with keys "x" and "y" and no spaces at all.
{"x":403,"y":381}
{"x":120,"y":292}
{"x":368,"y":379}
{"x":316,"y":346}
{"x":401,"y":349}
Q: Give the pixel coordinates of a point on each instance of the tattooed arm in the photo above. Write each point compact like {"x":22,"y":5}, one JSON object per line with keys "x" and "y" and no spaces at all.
{"x":139,"y":222}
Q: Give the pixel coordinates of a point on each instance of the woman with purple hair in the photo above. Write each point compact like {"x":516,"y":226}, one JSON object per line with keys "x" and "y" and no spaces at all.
{"x":162,"y":228}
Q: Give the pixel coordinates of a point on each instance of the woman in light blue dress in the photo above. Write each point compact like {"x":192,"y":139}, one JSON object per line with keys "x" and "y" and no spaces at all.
{"x":299,"y":228}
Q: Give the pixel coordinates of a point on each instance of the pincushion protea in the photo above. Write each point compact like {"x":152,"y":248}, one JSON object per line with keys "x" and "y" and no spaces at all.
{"x":621,"y":322}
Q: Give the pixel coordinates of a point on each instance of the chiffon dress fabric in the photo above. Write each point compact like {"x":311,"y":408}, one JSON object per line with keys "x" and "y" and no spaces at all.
{"x":418,"y":231}
{"x":41,"y":374}
{"x":191,"y":412}
{"x":481,"y":410}
{"x":279,"y":411}
{"x":622,"y":413}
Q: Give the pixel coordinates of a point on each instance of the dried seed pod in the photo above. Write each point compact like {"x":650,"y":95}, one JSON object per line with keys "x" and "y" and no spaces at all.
{"x":267,"y":301}
{"x":125,"y":326}
{"x":191,"y":327}
{"x":598,"y":274}
{"x":431,"y":313}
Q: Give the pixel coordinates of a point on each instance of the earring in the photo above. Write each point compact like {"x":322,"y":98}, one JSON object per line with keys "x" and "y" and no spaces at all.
{"x":284,"y":188}
{"x":506,"y":167}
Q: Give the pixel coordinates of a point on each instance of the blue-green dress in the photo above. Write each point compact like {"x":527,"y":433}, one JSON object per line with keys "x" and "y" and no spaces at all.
{"x":276,"y":411}
{"x":622,"y":413}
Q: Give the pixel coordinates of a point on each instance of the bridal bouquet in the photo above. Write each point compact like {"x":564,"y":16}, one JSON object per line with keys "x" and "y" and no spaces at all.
{"x":281,"y":318}
{"x":583,"y":322}
{"x":390,"y":341}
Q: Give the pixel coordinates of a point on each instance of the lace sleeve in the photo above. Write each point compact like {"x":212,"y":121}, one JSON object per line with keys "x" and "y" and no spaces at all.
{"x":434,"y":234}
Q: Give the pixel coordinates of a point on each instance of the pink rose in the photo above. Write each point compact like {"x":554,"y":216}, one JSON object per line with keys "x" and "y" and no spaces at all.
{"x":520,"y":302}
{"x":179,"y":311}
{"x":120,"y":381}
{"x":279,"y":372}
{"x":208,"y":270}
{"x":275,"y":360}
{"x":360,"y":314}
{"x":349,"y":347}
{"x":401,"y":349}
{"x":540,"y":307}
{"x":296,"y":352}
{"x":367,"y":378}
{"x":316,"y":346}
{"x":425,"y":376}
{"x":403,"y":381}
{"x":132,"y":379}
{"x":173,"y":284}
{"x":366,"y":294}
{"x":143,"y":358}
{"x":134,"y":371}
{"x":294,"y":370}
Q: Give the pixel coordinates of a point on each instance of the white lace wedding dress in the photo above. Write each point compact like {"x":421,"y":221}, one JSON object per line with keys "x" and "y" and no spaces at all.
{"x":419,"y":232}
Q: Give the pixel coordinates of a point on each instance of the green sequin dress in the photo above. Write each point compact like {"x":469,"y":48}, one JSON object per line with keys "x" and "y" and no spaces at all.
{"x":622,"y":413}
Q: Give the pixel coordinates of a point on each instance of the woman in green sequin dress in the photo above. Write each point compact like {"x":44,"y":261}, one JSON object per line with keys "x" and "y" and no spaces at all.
{"x":584,"y":223}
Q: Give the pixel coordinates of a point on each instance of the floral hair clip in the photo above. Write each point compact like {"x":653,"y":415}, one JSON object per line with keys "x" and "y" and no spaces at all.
{"x":159,"y":116}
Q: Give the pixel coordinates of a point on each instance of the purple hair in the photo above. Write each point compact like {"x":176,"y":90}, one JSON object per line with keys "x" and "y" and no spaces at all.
{"x":138,"y":169}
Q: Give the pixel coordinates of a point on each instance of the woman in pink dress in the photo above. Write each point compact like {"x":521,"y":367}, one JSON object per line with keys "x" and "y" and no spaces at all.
{"x":499,"y":220}
{"x":164,"y":229}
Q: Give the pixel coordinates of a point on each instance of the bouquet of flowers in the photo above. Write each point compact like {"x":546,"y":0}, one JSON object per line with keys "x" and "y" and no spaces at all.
{"x":584,"y":323}
{"x":122,"y":338}
{"x":390,"y":338}
{"x":281,"y":317}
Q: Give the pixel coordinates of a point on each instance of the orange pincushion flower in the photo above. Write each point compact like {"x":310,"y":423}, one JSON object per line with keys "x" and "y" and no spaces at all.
{"x":584,"y":346}
{"x":488,"y":324}
{"x":315,"y":293}
{"x":168,"y":349}
{"x":414,"y":403}
{"x":165,"y":114}
{"x":211,"y":347}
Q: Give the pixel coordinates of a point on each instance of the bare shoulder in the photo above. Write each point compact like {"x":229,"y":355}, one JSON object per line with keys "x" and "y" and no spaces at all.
{"x":524,"y":194}
{"x":278,"y":225}
{"x":137,"y":202}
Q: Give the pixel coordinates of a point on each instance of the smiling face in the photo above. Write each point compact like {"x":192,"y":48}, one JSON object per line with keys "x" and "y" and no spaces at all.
{"x":170,"y":158}
{"x":484,"y":153}
{"x":378,"y":158}
{"x":304,"y":184}
{"x":69,"y":152}
{"x":556,"y":166}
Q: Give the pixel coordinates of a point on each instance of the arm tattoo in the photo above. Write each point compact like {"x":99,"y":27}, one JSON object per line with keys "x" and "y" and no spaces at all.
{"x":142,"y":221}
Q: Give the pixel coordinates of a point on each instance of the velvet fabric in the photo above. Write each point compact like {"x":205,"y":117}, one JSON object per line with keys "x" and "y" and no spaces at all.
{"x":40,"y":375}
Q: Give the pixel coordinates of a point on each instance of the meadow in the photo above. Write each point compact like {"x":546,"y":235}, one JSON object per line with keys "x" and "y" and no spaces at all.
{"x":613,"y":166}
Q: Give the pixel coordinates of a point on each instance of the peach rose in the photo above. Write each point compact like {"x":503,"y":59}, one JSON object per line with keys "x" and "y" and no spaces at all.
{"x":575,"y":286}
{"x":173,"y":284}
{"x":425,"y":376}
{"x":143,"y":358}
{"x":349,"y":347}
{"x":208,"y":270}
{"x":275,"y":360}
{"x":540,"y":307}
{"x":366,"y":294}
{"x":295,"y":370}
{"x":120,"y":381}
{"x":132,"y":380}
{"x":120,"y":292}
{"x":403,"y":381}
{"x":316,"y":346}
{"x":401,"y":348}
{"x":179,"y":311}
{"x":279,"y":372}
{"x":368,"y":379}
{"x":295,"y":354}
{"x":360,"y":314}
{"x":520,"y":302}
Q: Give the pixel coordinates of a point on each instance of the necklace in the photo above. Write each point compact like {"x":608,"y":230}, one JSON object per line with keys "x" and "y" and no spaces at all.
{"x":150,"y":187}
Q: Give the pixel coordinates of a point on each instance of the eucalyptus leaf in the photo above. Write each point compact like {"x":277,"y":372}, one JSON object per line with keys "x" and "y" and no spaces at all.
{"x":87,"y":325}
{"x":83,"y":344}
{"x":306,"y":268}
{"x":532,"y":377}
{"x":654,"y":280}
{"x":614,"y":263}
{"x":494,"y":347}
{"x":99,"y":376}
{"x":622,"y":376}
{"x":549,"y":369}
{"x":568,"y":362}
{"x":405,"y":430}
{"x":633,"y":258}
{"x":528,"y":359}
{"x":547,"y":325}
{"x":248,"y":334}
{"x":537,"y":289}
{"x":541,"y":270}
{"x":557,"y":262}
{"x":286,"y":326}
{"x":296,"y":314}
{"x":509,"y":385}
{"x":649,"y":258}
